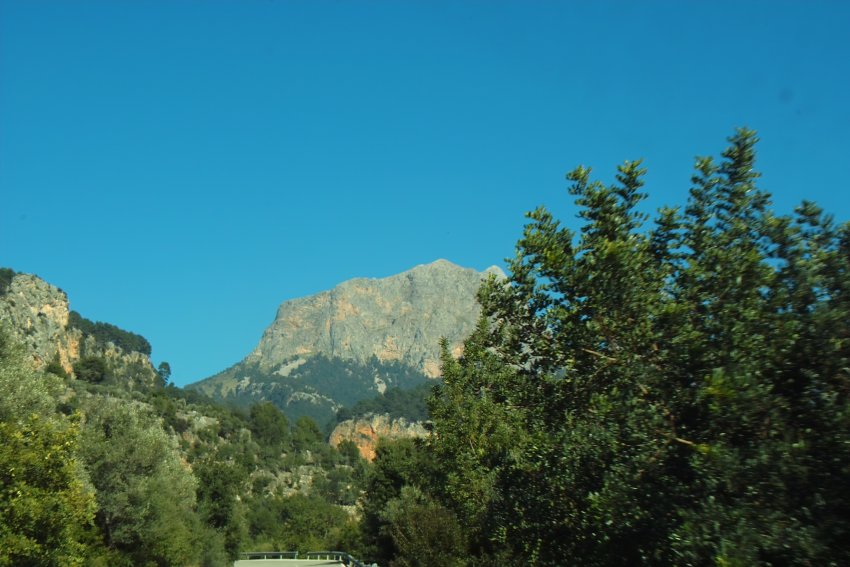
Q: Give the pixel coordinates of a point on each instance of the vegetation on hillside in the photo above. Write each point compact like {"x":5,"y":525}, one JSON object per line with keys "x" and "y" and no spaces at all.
{"x":44,"y":504}
{"x":408,"y":403}
{"x":314,"y":387}
{"x":108,"y":333}
{"x":6,"y":275}
{"x":673,"y":394}
{"x":98,"y":472}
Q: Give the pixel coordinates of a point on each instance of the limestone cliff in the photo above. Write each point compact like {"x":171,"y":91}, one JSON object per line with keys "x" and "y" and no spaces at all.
{"x":366,"y":431}
{"x":353,"y":342}
{"x":37,"y":315}
{"x":399,"y":318}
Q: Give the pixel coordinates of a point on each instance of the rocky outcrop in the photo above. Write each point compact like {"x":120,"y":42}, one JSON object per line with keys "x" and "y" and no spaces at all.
{"x":366,"y":431}
{"x":399,"y":318}
{"x":37,"y":314}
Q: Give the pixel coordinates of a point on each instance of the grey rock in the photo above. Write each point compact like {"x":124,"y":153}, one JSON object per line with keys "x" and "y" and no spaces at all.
{"x":36,"y":314}
{"x":351,"y":343}
{"x":398,"y":318}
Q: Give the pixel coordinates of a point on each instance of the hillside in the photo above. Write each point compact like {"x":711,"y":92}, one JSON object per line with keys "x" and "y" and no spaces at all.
{"x":38,"y":315}
{"x":171,"y":477}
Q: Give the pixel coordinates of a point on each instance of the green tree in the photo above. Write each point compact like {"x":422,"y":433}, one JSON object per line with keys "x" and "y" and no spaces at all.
{"x":306,"y":434}
{"x":91,"y":369}
{"x":44,"y":505}
{"x":220,"y":483}
{"x":349,"y":452}
{"x":163,"y":372}
{"x":145,"y":494}
{"x":424,"y":533}
{"x":672,"y":394}
{"x":269,"y":426}
{"x":339,"y":485}
{"x":398,"y":463}
{"x":480,"y":423}
{"x":299,"y":522}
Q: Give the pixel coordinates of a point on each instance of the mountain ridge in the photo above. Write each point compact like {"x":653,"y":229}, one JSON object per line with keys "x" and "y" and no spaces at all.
{"x":352,"y":298}
{"x":381,"y":332}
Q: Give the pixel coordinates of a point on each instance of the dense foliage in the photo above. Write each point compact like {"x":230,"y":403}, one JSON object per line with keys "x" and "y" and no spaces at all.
{"x":108,"y":333}
{"x":44,"y":505}
{"x":91,"y":369}
{"x":408,"y":403}
{"x":99,"y":472}
{"x":6,"y":276}
{"x":145,"y":495}
{"x":315,"y":387}
{"x":675,"y":394}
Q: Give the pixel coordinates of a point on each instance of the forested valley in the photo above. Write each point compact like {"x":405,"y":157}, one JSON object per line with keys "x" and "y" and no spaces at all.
{"x":667,"y":390}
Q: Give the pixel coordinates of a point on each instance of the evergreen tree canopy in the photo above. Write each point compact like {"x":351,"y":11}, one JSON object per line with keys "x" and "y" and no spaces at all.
{"x":672,"y":394}
{"x":109,"y":333}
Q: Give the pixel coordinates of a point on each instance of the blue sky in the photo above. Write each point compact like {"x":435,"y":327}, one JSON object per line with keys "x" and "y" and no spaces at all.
{"x":181,"y":167}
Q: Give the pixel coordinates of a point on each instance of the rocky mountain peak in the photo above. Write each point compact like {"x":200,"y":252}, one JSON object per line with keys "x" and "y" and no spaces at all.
{"x":397,"y":318}
{"x":355,"y":341}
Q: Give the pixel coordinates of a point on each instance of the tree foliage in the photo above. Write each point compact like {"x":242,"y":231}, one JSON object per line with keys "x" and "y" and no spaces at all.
{"x":220,"y":483}
{"x":299,"y":522}
{"x":6,"y":277}
{"x":408,"y":403}
{"x":91,"y":369}
{"x":145,"y":494}
{"x":163,"y":372}
{"x":269,"y":426}
{"x":44,"y":504}
{"x":109,"y":333}
{"x":423,"y":532}
{"x":671,"y":394}
{"x":388,"y":524}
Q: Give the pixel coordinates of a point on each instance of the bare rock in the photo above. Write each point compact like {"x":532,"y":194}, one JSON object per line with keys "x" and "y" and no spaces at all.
{"x":398,"y":318}
{"x":367,"y":431}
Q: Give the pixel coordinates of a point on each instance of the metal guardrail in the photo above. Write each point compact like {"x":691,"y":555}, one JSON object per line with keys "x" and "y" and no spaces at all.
{"x":340,"y":556}
{"x":249,"y":555}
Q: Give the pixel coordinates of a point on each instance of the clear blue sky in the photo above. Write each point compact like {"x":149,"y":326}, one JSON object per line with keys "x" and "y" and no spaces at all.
{"x":181,"y":167}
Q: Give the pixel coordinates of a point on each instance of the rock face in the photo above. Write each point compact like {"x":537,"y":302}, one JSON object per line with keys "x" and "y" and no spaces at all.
{"x":399,"y":318}
{"x":353,"y":342}
{"x":37,"y":313}
{"x":365,"y":432}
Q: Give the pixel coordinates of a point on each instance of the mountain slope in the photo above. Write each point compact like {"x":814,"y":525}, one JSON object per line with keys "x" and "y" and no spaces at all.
{"x":37,"y":315}
{"x":377,"y":332}
{"x":400,"y":318}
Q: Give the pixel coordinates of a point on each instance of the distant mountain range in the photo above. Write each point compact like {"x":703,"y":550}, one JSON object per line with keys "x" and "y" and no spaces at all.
{"x":337,"y":347}
{"x":321,"y":353}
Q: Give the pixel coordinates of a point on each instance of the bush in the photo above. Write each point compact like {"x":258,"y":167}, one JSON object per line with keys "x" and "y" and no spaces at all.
{"x":91,"y":369}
